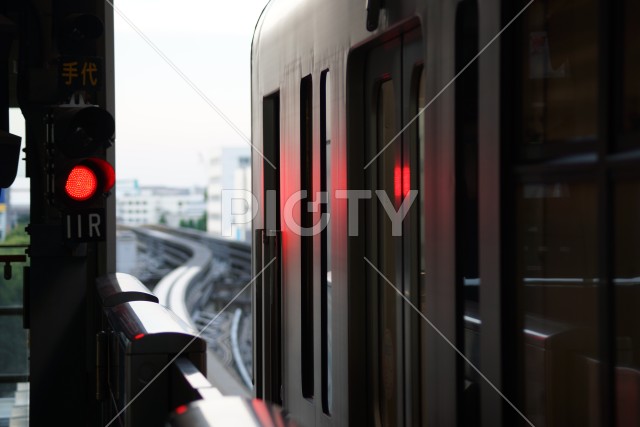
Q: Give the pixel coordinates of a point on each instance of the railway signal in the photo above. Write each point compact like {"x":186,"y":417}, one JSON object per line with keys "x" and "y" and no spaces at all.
{"x":65,"y":86}
{"x":82,"y":178}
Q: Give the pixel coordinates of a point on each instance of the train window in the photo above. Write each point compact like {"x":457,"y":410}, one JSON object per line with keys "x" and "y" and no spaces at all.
{"x":306,"y":221}
{"x":387,"y":310}
{"x":268,"y":295}
{"x":271,"y":137}
{"x":631,"y":83}
{"x":559,"y":77}
{"x":394,"y":89}
{"x":421,"y":101}
{"x":325,"y":275}
{"x":558,"y":286}
{"x":467,"y":275}
{"x":627,"y":295}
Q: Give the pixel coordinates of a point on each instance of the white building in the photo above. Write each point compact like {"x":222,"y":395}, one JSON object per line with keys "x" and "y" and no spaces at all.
{"x":126,"y":252}
{"x":136,"y":205}
{"x":3,"y":215}
{"x":228,"y":190}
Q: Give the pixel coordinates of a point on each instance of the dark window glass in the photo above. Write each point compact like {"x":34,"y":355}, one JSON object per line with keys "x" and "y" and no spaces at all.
{"x":422,"y":186}
{"x":268,"y":294}
{"x":271,"y":151}
{"x":414,"y":255}
{"x":558,"y":288}
{"x":386,"y":337}
{"x":422,"y":101}
{"x":306,"y":221}
{"x":468,"y":278}
{"x":559,"y":76}
{"x":325,"y":277}
{"x":627,"y":297}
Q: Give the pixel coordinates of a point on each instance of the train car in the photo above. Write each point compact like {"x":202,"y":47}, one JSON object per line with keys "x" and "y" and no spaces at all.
{"x":447,"y":223}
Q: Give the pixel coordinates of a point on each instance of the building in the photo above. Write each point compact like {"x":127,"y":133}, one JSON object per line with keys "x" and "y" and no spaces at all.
{"x":18,"y":199}
{"x":175,"y":207}
{"x":3,"y":215}
{"x":229,"y":203}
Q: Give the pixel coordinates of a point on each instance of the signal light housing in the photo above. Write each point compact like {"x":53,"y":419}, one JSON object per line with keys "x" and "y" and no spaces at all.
{"x":82,"y":175}
{"x":88,"y":180}
{"x":82,"y":131}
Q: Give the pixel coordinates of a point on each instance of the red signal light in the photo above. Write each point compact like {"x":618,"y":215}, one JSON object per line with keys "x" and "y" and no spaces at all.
{"x":81,"y":184}
{"x":85,"y":180}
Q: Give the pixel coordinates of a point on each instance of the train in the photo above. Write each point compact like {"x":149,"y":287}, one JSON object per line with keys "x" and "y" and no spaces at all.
{"x":446,"y":231}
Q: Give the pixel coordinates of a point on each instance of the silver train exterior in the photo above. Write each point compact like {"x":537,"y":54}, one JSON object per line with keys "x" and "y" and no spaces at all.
{"x":496,"y":243}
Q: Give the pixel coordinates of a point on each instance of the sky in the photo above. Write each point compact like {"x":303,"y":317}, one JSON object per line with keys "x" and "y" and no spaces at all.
{"x":165,"y":131}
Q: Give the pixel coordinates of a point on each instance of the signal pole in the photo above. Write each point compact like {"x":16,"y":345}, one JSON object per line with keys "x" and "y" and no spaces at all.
{"x":65,"y":68}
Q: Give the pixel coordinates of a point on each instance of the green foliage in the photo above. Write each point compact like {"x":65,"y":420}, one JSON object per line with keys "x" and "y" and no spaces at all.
{"x":11,"y":290}
{"x":199,"y":224}
{"x":13,"y":338}
{"x":17,"y":236}
{"x":202,"y":222}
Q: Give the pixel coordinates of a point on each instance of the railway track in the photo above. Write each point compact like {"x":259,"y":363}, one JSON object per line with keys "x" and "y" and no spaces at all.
{"x":201,"y":275}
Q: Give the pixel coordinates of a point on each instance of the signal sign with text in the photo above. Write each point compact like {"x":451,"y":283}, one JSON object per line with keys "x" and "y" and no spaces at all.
{"x":88,"y":226}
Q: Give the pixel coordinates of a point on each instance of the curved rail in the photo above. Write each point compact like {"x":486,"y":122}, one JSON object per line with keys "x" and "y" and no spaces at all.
{"x":237,"y":257}
{"x":235,"y":348}
{"x":173,"y":290}
{"x":186,"y":288}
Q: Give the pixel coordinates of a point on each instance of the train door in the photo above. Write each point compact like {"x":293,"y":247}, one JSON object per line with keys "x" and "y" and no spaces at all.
{"x":393,"y":81}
